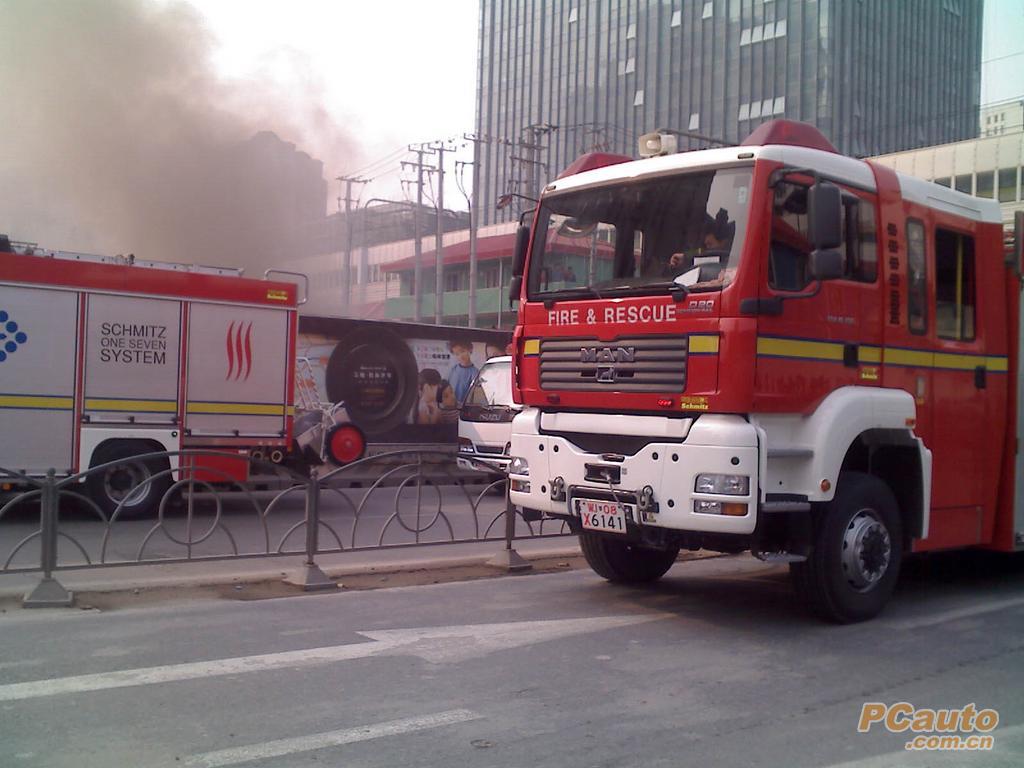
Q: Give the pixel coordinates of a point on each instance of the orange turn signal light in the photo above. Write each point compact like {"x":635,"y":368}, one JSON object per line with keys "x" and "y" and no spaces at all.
{"x":736,"y":510}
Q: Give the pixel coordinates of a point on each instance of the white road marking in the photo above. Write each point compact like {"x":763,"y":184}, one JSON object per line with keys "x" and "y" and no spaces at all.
{"x":434,"y":644}
{"x":976,"y":609}
{"x":1003,"y":755}
{"x":224,"y":757}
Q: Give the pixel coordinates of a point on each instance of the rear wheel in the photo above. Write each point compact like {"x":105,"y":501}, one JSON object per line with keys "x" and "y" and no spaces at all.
{"x":620,"y":561}
{"x":127,"y":485}
{"x":855,"y":561}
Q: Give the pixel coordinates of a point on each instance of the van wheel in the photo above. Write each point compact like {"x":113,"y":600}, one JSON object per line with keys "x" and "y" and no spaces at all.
{"x":125,"y":484}
{"x":855,"y":560}
{"x":620,"y":561}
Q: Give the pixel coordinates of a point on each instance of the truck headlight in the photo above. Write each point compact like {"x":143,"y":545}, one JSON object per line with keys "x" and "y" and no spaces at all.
{"x":727,"y":485}
{"x":465,"y":445}
{"x":519,"y":466}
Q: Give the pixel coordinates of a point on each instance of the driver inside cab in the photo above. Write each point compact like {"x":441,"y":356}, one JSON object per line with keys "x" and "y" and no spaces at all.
{"x":713,"y":254}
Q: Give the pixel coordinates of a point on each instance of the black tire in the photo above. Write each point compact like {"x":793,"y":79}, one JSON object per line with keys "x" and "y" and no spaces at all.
{"x":622,"y":562}
{"x":110,"y":486}
{"x":855,"y":558}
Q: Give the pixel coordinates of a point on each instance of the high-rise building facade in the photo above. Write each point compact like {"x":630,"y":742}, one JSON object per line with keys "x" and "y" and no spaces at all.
{"x":557,"y":78}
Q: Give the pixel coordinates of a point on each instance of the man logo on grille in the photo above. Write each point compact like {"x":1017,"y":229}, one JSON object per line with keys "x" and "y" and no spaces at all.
{"x":607,"y":355}
{"x":10,"y":337}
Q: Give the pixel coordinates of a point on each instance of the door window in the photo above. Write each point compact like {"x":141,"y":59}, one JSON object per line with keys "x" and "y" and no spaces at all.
{"x":954,"y":285}
{"x":917,"y":279}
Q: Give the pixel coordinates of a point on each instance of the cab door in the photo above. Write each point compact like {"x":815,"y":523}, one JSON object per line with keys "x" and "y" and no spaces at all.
{"x":827,"y":335}
{"x":960,"y":393}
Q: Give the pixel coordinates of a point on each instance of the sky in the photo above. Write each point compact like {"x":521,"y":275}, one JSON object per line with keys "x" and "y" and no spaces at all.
{"x":395,"y":72}
{"x":392,"y":72}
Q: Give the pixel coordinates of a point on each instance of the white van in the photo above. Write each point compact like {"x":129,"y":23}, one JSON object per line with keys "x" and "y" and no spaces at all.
{"x":485,"y":418}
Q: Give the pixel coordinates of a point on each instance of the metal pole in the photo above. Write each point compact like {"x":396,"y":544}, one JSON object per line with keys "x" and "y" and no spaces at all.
{"x":501,"y":284}
{"x":346,"y":278}
{"x":417,"y":280}
{"x":474,"y":223}
{"x":508,"y":559}
{"x":439,"y":241}
{"x":310,"y":576}
{"x":49,"y":592}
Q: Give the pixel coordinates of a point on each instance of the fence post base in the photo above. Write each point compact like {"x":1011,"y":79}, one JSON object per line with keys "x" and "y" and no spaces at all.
{"x":310,"y":577}
{"x":510,"y":560}
{"x":48,"y":593}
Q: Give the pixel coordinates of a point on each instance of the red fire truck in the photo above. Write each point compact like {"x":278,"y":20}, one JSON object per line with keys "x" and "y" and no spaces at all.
{"x":769,"y":347}
{"x":106,"y":358}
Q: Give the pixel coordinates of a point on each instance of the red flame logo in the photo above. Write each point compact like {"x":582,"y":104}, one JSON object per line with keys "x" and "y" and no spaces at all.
{"x":239,"y":346}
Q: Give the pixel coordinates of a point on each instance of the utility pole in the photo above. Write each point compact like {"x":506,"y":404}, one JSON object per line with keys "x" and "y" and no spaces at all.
{"x":473,"y":202}
{"x":530,"y":144}
{"x":417,"y":280}
{"x":346,"y":267}
{"x":439,"y":148}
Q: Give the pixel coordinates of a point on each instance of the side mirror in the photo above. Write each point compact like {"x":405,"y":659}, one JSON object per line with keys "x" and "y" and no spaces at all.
{"x":826,"y":264}
{"x":824,"y":216}
{"x":519,"y":254}
{"x":515,"y":288}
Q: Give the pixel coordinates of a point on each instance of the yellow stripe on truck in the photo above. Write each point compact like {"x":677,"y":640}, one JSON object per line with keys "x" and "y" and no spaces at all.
{"x":703,"y":344}
{"x":143,"y":406}
{"x":38,"y":402}
{"x":240,"y":409}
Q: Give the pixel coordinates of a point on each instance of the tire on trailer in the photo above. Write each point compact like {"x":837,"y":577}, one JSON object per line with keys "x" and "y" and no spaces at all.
{"x":108,"y":488}
{"x":344,"y":443}
{"x":855,"y":559}
{"x":623,"y":562}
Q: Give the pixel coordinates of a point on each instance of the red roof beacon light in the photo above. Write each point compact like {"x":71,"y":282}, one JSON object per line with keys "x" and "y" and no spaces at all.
{"x":791,"y":133}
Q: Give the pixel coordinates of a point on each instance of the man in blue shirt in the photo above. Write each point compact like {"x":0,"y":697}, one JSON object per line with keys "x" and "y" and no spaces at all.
{"x":463,"y":371}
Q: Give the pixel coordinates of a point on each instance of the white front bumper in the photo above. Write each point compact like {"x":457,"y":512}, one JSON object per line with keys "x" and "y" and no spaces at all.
{"x":714,"y":443}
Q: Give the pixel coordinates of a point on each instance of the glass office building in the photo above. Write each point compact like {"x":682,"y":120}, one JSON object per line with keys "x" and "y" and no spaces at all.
{"x":557,"y":78}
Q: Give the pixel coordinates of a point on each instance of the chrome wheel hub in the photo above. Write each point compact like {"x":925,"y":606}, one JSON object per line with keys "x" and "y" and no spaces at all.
{"x":867,"y":550}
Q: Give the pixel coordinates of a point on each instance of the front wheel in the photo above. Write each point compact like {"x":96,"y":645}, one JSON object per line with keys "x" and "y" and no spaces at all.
{"x":620,"y":561}
{"x":855,"y":561}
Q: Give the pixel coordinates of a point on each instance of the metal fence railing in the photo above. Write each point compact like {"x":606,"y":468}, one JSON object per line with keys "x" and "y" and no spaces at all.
{"x":188,"y":506}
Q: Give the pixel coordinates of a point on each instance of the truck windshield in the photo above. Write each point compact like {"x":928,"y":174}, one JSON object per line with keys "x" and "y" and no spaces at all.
{"x":645,"y":237}
{"x":493,"y":386}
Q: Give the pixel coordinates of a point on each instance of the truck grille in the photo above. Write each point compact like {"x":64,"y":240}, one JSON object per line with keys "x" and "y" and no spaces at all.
{"x":642,"y":364}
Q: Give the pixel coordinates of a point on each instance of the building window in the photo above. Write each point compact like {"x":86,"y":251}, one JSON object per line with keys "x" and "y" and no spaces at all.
{"x":963,"y":183}
{"x":1007,"y":185}
{"x":745,"y":37}
{"x":694,"y":123}
{"x":744,"y":111}
{"x":573,"y":15}
{"x":780,"y":28}
{"x":943,"y":181}
{"x":709,"y":8}
{"x":677,"y":18}
{"x":917,"y":282}
{"x":631,"y":32}
{"x":954,"y":285}
{"x":757,"y":34}
{"x":984,"y":184}
{"x":755,"y":109}
{"x":638,"y":98}
{"x":780,"y":106}
{"x":630,"y":65}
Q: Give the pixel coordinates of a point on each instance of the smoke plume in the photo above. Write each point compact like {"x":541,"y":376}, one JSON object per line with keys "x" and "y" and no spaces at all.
{"x":116,"y":136}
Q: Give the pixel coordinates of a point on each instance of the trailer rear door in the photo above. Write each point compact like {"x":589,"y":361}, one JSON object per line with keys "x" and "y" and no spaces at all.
{"x":237,"y":371}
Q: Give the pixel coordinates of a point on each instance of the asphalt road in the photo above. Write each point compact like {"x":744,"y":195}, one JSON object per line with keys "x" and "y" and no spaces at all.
{"x":715,"y":665}
{"x":227,"y":523}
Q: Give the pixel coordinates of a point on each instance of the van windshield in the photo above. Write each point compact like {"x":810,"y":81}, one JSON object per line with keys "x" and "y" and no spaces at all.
{"x":649,"y":236}
{"x":493,"y":385}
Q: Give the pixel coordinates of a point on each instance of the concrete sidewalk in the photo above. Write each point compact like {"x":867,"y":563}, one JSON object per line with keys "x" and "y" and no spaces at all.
{"x":269,"y":569}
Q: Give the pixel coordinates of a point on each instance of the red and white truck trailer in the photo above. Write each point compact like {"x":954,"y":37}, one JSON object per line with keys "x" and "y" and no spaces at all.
{"x":105,"y":358}
{"x":769,"y":347}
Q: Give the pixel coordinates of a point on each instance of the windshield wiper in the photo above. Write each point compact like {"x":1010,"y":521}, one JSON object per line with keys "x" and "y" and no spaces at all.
{"x":677,"y":290}
{"x":582,"y":291}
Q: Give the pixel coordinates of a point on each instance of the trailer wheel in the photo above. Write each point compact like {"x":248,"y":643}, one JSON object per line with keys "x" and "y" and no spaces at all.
{"x":855,"y":561}
{"x":344,"y":443}
{"x":126,"y":482}
{"x":620,"y":561}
